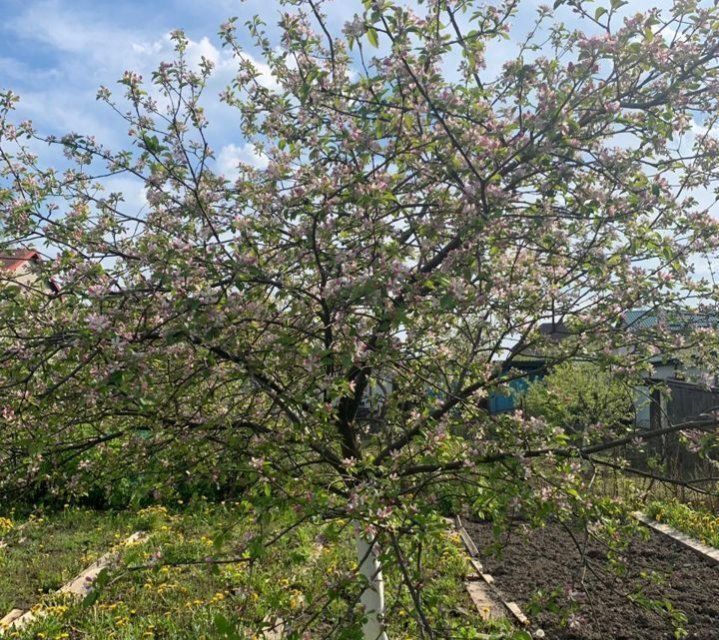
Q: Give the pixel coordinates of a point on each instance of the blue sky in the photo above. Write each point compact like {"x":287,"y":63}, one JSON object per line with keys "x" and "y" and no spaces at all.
{"x":56,"y":53}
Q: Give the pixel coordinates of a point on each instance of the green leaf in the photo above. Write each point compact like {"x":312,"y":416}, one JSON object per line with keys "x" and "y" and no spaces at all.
{"x":599,"y":12}
{"x":617,"y":4}
{"x":174,"y":338}
{"x":373,"y":37}
{"x":101,"y":581}
{"x":256,"y":548}
{"x":116,"y":377}
{"x":152,"y":144}
{"x":219,"y":540}
{"x":447,"y":302}
{"x":225,"y":629}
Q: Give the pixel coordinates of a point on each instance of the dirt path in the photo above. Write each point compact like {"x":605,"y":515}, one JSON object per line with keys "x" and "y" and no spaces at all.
{"x":670,"y":580}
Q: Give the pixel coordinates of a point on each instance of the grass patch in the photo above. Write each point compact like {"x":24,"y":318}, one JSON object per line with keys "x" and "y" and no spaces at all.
{"x":44,"y":552}
{"x":167,"y":587}
{"x":700,"y":524}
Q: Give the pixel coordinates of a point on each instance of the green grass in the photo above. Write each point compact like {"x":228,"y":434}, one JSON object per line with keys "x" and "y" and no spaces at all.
{"x":43,"y":553}
{"x":698,"y":523}
{"x":165,"y":589}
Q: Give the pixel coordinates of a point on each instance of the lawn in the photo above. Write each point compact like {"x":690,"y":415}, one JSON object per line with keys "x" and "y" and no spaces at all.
{"x":43,"y":553}
{"x":172,"y":585}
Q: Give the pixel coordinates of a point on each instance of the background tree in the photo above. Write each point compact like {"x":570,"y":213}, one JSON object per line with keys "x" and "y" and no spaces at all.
{"x":583,"y":399}
{"x":419,"y":217}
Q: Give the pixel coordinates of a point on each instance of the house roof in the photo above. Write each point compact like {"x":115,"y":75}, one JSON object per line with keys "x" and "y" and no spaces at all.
{"x":15,"y":260}
{"x":639,"y":319}
{"x":556,"y":331}
{"x":636,"y":319}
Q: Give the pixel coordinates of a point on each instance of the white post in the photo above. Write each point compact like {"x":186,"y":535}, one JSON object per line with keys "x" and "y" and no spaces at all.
{"x":373,"y":596}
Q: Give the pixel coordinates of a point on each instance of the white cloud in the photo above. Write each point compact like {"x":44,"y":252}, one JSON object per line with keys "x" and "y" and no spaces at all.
{"x":231,"y":155}
{"x":88,"y":51}
{"x":132,"y":190}
{"x":73,"y":33}
{"x":106,"y":50}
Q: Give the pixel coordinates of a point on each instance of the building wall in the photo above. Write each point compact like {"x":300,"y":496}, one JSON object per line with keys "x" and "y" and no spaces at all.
{"x":26,"y":277}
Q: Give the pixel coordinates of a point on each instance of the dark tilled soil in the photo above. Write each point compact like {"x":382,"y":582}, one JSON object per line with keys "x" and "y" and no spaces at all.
{"x":598,"y":608}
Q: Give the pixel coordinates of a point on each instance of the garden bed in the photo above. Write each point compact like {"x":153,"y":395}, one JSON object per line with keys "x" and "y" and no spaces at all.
{"x":695,"y":522}
{"x":658,"y":590}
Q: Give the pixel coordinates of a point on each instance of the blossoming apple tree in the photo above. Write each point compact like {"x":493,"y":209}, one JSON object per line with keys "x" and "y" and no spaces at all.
{"x":323,"y":331}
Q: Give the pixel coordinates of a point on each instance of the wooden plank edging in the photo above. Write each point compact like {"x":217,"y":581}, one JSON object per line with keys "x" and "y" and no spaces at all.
{"x":9,"y":618}
{"x":704,"y":550}
{"x":492,"y":591}
{"x":79,"y":587}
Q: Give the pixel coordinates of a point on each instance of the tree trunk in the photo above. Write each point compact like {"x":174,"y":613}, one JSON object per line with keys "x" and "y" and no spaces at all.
{"x":373,"y":597}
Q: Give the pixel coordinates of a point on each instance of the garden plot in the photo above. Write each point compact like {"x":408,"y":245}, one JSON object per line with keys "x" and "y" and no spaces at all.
{"x":656,"y":590}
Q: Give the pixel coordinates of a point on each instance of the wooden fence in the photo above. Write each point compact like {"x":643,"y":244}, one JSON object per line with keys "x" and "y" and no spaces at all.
{"x":685,"y":402}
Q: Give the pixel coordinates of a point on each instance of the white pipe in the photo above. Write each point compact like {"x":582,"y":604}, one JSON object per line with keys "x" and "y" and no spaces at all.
{"x":372,"y":598}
